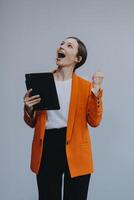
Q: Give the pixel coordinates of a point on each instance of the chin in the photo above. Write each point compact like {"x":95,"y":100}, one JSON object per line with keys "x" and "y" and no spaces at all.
{"x":60,"y":64}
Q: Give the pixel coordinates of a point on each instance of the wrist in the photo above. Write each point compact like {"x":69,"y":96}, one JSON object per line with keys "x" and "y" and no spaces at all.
{"x":29,"y":110}
{"x":96,"y":90}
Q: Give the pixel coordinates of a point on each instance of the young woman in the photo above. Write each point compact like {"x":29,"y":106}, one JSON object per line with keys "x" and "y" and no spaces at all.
{"x":61,"y":145}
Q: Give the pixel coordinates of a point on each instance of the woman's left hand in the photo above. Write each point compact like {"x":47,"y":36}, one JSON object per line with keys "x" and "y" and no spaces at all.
{"x":97,"y":79}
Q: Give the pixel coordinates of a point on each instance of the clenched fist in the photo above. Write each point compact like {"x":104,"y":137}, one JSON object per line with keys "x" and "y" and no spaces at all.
{"x":97,"y":79}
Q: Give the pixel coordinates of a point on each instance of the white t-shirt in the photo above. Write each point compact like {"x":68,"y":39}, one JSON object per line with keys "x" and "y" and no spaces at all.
{"x":58,"y":118}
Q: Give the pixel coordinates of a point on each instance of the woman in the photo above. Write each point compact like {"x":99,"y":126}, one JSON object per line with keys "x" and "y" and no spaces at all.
{"x":61,"y":143}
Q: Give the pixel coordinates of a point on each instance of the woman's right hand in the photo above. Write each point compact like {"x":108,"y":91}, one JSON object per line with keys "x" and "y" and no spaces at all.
{"x":30,"y":101}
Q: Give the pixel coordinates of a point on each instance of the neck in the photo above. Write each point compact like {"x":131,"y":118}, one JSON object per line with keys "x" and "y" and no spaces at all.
{"x":64,"y":73}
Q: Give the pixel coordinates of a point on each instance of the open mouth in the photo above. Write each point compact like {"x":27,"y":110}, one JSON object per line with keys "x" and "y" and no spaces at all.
{"x":61,"y":55}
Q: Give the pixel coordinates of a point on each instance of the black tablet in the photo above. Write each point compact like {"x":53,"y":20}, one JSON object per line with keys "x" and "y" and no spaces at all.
{"x":44,"y":85}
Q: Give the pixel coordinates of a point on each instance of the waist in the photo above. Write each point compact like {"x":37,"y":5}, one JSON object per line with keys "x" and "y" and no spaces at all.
{"x":62,"y":129}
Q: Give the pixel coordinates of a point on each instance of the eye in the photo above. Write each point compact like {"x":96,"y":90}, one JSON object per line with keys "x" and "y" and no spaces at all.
{"x":70,"y":46}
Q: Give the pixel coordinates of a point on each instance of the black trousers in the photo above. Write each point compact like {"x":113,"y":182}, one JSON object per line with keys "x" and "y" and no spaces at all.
{"x":53,"y":166}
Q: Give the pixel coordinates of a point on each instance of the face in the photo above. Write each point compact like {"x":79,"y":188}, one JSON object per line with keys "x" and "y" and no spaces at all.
{"x":67,"y":53}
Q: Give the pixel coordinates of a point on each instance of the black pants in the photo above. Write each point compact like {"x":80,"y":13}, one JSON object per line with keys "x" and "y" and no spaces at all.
{"x":53,"y":166}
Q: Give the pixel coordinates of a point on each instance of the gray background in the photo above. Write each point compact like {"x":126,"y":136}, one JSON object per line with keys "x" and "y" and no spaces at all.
{"x":30,"y":32}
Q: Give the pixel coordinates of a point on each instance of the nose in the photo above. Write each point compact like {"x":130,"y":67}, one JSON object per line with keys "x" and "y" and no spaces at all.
{"x":62,"y":46}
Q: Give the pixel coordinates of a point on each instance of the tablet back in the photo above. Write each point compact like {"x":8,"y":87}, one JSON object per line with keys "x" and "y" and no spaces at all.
{"x":44,"y":85}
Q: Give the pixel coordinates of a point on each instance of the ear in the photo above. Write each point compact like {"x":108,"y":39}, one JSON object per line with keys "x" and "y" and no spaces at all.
{"x":78,"y":59}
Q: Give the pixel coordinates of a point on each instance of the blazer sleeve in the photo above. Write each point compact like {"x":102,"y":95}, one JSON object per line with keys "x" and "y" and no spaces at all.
{"x":30,"y":121}
{"x":94,"y":108}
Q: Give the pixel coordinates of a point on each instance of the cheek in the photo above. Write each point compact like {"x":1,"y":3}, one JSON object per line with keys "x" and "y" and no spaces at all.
{"x":72,"y":57}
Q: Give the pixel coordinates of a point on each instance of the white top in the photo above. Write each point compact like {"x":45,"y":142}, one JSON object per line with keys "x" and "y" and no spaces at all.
{"x":58,"y":118}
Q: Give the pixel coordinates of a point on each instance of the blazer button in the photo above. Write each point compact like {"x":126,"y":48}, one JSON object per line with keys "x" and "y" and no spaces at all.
{"x":67,"y":143}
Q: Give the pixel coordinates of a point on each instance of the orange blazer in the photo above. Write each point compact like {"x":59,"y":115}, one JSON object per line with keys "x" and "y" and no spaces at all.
{"x":85,"y":108}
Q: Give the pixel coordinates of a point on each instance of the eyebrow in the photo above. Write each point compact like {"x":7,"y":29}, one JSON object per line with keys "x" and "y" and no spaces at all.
{"x":70,"y":43}
{"x":63,"y":42}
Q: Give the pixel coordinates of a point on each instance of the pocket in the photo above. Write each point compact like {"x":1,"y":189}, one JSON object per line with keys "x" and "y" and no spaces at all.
{"x":84,"y":145}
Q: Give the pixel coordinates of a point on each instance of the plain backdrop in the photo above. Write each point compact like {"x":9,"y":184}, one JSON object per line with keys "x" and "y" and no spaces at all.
{"x":30,"y":32}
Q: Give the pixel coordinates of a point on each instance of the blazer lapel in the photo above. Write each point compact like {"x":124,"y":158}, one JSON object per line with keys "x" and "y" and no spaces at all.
{"x":72,"y":106}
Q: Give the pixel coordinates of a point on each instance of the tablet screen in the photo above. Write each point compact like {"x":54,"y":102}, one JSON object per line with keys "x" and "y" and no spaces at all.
{"x":44,"y":85}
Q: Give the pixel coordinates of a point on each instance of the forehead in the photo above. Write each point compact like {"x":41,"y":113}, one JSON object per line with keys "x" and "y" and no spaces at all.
{"x":72,"y":41}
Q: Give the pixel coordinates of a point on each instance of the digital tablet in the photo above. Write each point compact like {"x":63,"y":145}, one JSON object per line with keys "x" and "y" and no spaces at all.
{"x":44,"y":85}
